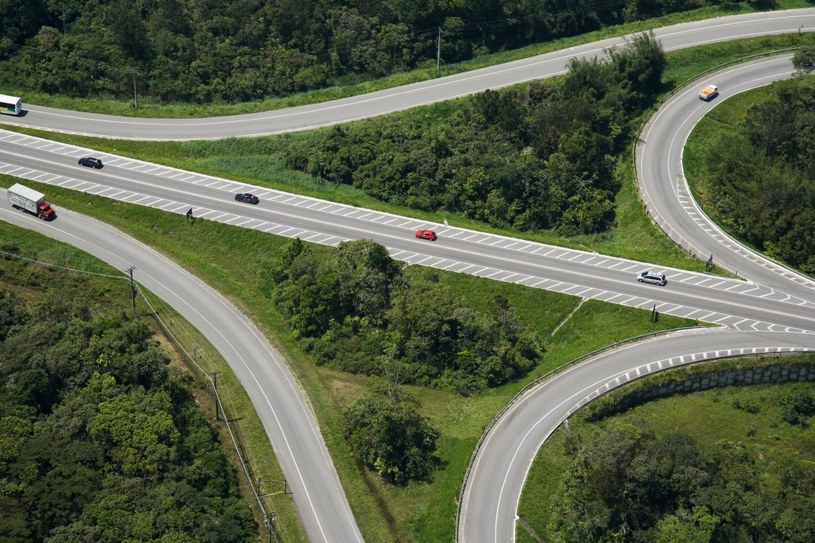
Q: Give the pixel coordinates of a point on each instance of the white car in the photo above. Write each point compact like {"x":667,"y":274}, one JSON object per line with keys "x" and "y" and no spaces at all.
{"x":709,"y":93}
{"x":653,"y":278}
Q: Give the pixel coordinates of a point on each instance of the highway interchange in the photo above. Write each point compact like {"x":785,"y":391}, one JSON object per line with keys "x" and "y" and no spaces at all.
{"x":771,"y":311}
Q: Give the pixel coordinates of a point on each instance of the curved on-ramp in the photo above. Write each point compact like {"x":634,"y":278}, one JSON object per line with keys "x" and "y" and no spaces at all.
{"x":273,"y":390}
{"x":488,"y":505}
{"x":265,"y":381}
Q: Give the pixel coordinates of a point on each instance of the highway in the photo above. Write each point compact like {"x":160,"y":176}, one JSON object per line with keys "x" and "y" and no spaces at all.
{"x":273,"y":390}
{"x":400,"y":98}
{"x":488,"y":507}
{"x":773,"y":312}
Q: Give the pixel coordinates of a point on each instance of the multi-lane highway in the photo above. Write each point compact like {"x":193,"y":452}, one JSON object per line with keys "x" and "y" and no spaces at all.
{"x":772,"y":312}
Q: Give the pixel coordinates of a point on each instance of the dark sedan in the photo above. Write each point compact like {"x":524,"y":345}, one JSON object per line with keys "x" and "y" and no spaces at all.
{"x":246,"y":197}
{"x":90,"y":162}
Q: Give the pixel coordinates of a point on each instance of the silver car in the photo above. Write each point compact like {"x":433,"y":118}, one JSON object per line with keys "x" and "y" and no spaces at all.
{"x":653,"y":278}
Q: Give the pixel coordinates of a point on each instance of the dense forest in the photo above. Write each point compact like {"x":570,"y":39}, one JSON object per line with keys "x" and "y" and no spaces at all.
{"x":241,"y":50}
{"x":630,"y":486}
{"x":100,"y":440}
{"x":532,"y":157}
{"x":762,"y":179}
{"x":359,"y":313}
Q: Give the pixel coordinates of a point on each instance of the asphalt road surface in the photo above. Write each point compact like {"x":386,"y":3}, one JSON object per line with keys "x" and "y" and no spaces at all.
{"x":487,"y":510}
{"x":771,"y":316}
{"x":488,"y":506}
{"x":278,"y":400}
{"x":400,"y":98}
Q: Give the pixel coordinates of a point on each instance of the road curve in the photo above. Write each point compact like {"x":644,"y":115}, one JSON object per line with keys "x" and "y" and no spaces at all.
{"x":665,"y":191}
{"x":400,"y":98}
{"x":488,"y":505}
{"x":319,"y":524}
{"x":273,"y":390}
{"x":487,"y":510}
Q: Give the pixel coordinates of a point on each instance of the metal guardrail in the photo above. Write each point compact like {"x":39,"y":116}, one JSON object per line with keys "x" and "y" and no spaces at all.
{"x":532,"y":384}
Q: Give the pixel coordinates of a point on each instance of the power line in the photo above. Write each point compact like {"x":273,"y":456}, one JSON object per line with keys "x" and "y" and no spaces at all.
{"x":9,"y":255}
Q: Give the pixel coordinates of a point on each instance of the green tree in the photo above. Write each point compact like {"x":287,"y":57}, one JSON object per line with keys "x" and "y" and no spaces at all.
{"x":695,"y":527}
{"x":388,"y":435}
{"x":366,"y":275}
{"x":804,"y":58}
{"x":12,"y":312}
{"x":137,"y":432}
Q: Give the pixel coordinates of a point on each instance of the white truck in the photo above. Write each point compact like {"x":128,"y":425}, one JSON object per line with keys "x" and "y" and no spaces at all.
{"x":21,"y":197}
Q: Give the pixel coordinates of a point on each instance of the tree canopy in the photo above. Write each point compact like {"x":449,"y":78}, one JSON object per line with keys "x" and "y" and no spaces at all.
{"x":99,"y":440}
{"x":532,"y":157}
{"x":241,"y":50}
{"x":358,"y":312}
{"x":389,"y":436}
{"x":628,"y":485}
{"x":762,"y":178}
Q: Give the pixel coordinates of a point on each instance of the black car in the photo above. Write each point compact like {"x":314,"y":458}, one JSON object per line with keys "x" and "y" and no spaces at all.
{"x":248,"y":198}
{"x":90,"y":162}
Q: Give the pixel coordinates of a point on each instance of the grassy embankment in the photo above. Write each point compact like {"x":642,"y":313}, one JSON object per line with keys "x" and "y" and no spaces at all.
{"x":229,"y":258}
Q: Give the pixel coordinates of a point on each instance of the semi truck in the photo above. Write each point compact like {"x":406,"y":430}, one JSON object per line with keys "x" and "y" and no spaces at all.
{"x":21,"y":197}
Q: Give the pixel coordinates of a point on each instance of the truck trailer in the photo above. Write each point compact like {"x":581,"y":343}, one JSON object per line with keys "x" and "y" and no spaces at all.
{"x":21,"y":197}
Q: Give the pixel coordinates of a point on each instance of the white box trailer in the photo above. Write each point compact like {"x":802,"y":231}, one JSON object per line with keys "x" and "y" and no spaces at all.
{"x":11,"y":105}
{"x":22,"y":197}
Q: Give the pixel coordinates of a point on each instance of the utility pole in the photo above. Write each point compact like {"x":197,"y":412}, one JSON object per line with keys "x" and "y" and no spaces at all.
{"x":135,"y":96}
{"x":270,"y":520}
{"x":438,"y":51}
{"x":217,"y":400}
{"x":132,"y":289}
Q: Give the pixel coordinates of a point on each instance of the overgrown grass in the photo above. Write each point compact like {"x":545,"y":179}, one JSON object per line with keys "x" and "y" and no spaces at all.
{"x":680,"y":413}
{"x":150,"y":108}
{"x":229,"y":259}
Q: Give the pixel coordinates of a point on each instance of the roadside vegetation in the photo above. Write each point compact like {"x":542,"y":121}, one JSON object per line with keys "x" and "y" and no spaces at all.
{"x":226,"y":52}
{"x":599,"y":210}
{"x":750,"y":165}
{"x":656,"y":473}
{"x":101,"y":437}
{"x":358,"y":312}
{"x":233,"y":261}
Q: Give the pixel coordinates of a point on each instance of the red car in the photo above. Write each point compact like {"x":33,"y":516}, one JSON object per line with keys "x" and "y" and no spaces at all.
{"x":426,"y":234}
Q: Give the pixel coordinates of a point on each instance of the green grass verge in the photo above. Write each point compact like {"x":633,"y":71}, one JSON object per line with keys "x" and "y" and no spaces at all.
{"x":721,"y":121}
{"x":680,"y":413}
{"x":229,"y":259}
{"x":150,"y":108}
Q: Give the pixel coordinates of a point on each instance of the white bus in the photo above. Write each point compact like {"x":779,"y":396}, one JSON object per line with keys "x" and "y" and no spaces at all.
{"x":10,"y":105}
